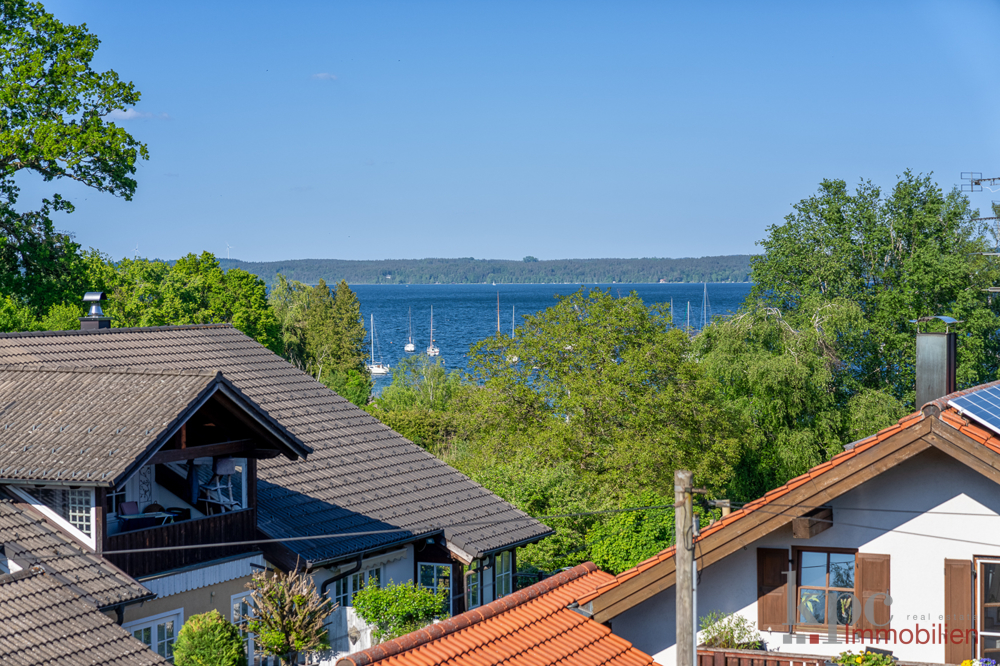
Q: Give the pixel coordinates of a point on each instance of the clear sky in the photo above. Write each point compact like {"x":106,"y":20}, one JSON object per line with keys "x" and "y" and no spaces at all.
{"x":371,"y":130}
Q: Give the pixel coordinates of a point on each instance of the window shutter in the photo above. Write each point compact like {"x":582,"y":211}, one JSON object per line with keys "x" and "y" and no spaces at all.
{"x":958,"y":608}
{"x":772,"y":589}
{"x":871,"y":577}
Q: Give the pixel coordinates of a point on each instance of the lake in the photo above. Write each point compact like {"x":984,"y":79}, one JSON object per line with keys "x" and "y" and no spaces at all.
{"x":466,"y":313}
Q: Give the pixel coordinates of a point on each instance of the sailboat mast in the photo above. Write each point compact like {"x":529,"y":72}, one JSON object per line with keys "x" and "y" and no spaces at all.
{"x":373,"y":339}
{"x":498,"y":313}
{"x":512,"y":320}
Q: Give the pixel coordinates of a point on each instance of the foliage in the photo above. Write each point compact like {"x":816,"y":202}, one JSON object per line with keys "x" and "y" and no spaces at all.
{"x":734,"y":268}
{"x":606,"y":385}
{"x":195,"y":290}
{"x":787,"y":390}
{"x":622,"y":540}
{"x":288,"y":614}
{"x":872,"y":659}
{"x":54,"y":123}
{"x":729,"y":631}
{"x":420,"y":383}
{"x":209,"y":640}
{"x":322,"y":333}
{"x":395,"y":610}
{"x":896,"y":256}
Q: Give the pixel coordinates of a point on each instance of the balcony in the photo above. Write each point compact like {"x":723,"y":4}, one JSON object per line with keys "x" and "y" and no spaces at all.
{"x":232,"y":526}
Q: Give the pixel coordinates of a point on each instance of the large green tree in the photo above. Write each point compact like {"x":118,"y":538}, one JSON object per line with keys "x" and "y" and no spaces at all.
{"x":322,"y":333}
{"x":897,"y":255}
{"x":54,"y":124}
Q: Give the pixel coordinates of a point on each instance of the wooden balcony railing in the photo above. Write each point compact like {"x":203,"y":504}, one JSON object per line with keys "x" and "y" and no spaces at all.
{"x":225,"y":527}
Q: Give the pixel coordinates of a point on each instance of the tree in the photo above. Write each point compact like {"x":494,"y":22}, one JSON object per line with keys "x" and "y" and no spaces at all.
{"x":605,"y":384}
{"x":396,"y":610}
{"x":209,"y":640}
{"x":625,"y":539}
{"x":896,"y":256}
{"x":288,"y":615}
{"x":322,"y":333}
{"x":53,"y":123}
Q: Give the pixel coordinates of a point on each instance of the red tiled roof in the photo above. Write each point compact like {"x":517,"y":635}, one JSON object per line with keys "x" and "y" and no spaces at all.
{"x":939,"y":408}
{"x":532,"y":626}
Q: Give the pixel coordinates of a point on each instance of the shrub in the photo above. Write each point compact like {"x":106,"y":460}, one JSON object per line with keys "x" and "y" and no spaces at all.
{"x":395,"y":610}
{"x":288,"y":614}
{"x":730,"y":631}
{"x":868,"y":659}
{"x":209,"y":640}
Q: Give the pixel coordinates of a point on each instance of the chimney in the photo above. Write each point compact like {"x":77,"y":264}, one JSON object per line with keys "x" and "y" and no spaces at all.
{"x":95,"y":318}
{"x":936,"y":363}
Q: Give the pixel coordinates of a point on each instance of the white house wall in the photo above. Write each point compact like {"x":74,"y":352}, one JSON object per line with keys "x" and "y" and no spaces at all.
{"x":932,"y":481}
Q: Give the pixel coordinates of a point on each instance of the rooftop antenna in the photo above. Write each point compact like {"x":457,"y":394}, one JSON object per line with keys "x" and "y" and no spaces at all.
{"x":976,"y":181}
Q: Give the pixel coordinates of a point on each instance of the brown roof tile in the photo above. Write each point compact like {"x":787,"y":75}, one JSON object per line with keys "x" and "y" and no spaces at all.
{"x":28,"y":540}
{"x":43,"y":623}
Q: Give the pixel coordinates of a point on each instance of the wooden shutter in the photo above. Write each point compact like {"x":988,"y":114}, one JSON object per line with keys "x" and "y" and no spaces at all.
{"x":958,"y":608}
{"x":772,"y":589}
{"x":871,"y":577}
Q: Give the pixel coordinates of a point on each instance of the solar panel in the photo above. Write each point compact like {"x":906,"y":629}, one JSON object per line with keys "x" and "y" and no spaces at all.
{"x":982,"y":405}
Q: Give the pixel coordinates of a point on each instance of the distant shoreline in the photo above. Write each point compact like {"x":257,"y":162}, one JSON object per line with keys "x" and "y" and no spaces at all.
{"x":723,"y":269}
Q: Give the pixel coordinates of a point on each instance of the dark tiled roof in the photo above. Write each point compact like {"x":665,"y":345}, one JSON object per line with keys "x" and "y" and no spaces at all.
{"x":87,"y":425}
{"x":43,"y":623}
{"x":532,"y":626}
{"x":362,"y":476}
{"x":28,"y":540}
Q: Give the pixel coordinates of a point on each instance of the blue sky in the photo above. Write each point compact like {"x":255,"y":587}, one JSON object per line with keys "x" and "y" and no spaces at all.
{"x":370,"y":130}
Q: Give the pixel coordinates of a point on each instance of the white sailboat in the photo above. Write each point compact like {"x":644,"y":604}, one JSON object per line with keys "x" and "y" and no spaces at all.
{"x":373,"y":367}
{"x":431,"y":349}
{"x":410,"y":347}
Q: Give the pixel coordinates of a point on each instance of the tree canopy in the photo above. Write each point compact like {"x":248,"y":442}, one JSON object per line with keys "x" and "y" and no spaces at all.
{"x":54,"y":124}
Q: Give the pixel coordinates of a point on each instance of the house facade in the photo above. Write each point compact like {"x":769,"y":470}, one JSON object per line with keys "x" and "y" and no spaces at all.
{"x":894,"y":544}
{"x":143,"y":447}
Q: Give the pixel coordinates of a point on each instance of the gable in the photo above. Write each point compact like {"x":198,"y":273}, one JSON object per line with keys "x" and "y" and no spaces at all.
{"x":866,"y":460}
{"x":90,"y":426}
{"x":360,"y":477}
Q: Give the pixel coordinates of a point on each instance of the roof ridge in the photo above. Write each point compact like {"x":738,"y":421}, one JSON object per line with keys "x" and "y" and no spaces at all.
{"x":105,"y":331}
{"x":467,"y":619}
{"x":107,"y":369}
{"x":935,"y":407}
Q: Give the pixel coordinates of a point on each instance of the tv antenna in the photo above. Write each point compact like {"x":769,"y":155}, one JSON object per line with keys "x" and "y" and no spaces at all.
{"x":976,"y":181}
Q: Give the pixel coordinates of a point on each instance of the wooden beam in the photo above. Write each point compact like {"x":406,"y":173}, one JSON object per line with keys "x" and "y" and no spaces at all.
{"x":100,"y":526}
{"x":248,"y":421}
{"x":966,"y":450}
{"x":745,"y":531}
{"x":251,"y":479}
{"x":241,"y":448}
{"x":811,"y":524}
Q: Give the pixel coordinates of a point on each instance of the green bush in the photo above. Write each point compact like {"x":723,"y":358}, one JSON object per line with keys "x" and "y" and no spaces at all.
{"x":396,"y":610}
{"x":209,"y":640}
{"x":729,"y":631}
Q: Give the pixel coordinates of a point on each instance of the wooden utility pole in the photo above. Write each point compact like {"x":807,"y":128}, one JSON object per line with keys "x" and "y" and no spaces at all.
{"x":684,"y":585}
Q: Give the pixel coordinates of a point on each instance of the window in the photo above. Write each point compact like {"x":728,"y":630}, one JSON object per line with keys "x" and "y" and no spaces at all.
{"x":473,"y":577}
{"x":115,"y":498}
{"x":345,"y":588}
{"x":241,"y":608}
{"x":825,"y":580}
{"x":436,"y":577}
{"x":158,"y":632}
{"x":503,"y":565}
{"x":72,"y":505}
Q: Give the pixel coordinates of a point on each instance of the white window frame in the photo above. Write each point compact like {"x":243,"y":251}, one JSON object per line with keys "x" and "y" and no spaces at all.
{"x":151,"y":623}
{"x":241,"y":598}
{"x":502,"y":574}
{"x":89,"y":541}
{"x":451,"y":580}
{"x":345,"y":588}
{"x":474,"y":585}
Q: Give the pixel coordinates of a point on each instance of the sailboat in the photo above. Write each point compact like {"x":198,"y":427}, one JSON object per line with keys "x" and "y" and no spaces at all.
{"x":410,"y":347}
{"x":373,"y":367}
{"x":431,"y":349}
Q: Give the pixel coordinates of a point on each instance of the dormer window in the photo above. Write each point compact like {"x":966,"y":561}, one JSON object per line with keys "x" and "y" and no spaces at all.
{"x":71,"y":504}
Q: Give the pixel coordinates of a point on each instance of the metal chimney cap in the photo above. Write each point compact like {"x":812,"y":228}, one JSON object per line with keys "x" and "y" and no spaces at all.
{"x":93,"y":297}
{"x":947,"y":320}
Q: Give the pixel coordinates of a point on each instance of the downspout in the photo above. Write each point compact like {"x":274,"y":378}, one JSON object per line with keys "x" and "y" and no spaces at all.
{"x":343,"y":574}
{"x":120,"y":612}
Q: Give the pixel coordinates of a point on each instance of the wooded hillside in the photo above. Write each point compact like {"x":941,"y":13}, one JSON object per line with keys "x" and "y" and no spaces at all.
{"x":732,"y":268}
